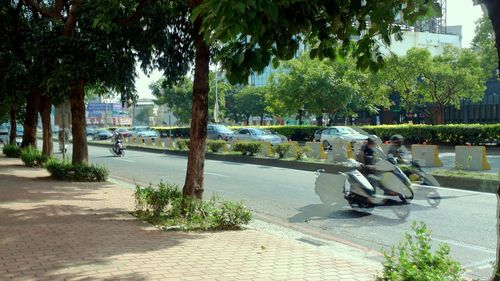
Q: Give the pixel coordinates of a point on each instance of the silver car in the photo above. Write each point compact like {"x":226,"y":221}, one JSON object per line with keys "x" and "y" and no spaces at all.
{"x":254,"y":134}
{"x":218,"y":132}
{"x":347,"y":133}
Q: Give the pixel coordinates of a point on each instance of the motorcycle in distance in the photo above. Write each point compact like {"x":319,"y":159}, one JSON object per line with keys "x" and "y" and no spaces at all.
{"x":118,"y":148}
{"x":385,"y":185}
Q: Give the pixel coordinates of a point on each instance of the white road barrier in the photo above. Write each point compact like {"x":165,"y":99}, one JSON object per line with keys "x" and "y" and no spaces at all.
{"x":427,"y":155}
{"x":471,"y":158}
{"x":341,"y":151}
{"x":317,"y":150}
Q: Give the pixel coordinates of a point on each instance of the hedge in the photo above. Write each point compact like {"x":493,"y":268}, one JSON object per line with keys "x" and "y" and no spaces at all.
{"x":440,"y":134}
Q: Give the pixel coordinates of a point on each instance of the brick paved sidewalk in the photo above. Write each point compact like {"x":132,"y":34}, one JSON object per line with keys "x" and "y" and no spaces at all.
{"x":52,"y":230}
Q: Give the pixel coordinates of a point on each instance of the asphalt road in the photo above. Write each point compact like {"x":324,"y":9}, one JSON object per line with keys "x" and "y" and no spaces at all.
{"x":464,"y":220}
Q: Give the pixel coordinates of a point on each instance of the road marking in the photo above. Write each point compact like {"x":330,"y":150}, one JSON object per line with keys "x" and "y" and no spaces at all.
{"x":465,"y":245}
{"x":217,"y":175}
{"x":480,"y":264}
{"x":454,"y":189}
{"x":125,"y":160}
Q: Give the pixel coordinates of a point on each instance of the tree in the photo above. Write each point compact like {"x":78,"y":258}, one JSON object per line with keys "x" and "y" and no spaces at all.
{"x":250,"y":34}
{"x":321,"y":87}
{"x":432,"y":83}
{"x":143,"y":115}
{"x":250,"y":101}
{"x":178,"y":97}
{"x":484,"y":44}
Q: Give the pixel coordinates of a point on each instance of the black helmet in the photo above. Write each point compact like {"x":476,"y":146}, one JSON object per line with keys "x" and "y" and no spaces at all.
{"x":370,"y":141}
{"x":397,"y":138}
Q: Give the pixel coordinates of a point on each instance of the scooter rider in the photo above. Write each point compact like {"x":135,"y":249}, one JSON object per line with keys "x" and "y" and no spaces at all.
{"x":366,"y":153}
{"x":397,"y":149}
{"x":116,"y":137}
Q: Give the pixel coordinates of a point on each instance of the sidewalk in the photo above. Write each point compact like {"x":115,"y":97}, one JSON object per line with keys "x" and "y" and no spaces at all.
{"x":52,"y":230}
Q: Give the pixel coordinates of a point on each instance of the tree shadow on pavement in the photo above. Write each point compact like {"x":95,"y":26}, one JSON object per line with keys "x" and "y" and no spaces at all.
{"x":62,"y":230}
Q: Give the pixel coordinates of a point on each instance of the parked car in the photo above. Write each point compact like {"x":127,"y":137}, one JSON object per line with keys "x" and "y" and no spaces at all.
{"x":219,"y":132}
{"x":90,"y":131}
{"x":136,"y":129}
{"x":124,"y":132}
{"x":147,"y":133}
{"x":347,"y":133}
{"x":102,"y":134}
{"x":255,"y":134}
{"x":4,"y":134}
{"x":317,"y":134}
{"x":19,"y":131}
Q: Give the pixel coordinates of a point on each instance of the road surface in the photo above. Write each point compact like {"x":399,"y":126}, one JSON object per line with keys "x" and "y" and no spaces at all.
{"x":464,"y":220}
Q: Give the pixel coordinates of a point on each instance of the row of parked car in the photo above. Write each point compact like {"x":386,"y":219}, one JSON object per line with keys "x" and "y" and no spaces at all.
{"x":221,"y":132}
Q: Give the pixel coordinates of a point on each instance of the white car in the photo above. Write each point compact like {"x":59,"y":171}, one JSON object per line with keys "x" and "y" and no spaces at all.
{"x":347,"y":133}
{"x":254,"y":134}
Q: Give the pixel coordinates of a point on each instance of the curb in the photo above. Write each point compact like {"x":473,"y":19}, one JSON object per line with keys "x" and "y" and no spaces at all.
{"x":472,"y":184}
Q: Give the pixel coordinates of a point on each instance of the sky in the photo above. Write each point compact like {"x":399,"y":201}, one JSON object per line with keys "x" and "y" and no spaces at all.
{"x":460,"y":12}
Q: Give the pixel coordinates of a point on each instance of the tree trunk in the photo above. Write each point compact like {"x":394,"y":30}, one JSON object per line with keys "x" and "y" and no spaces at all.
{"x":31,"y":118}
{"x":437,"y":115}
{"x":45,"y":110}
{"x":319,"y":120}
{"x":193,"y":186}
{"x":13,"y":126}
{"x":493,"y":8}
{"x":78,"y":123}
{"x":262,"y":119}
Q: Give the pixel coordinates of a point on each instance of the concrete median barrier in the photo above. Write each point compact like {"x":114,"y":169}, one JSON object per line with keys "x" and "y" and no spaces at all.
{"x":317,"y":150}
{"x":341,"y":151}
{"x":471,"y":158}
{"x":426,"y":155}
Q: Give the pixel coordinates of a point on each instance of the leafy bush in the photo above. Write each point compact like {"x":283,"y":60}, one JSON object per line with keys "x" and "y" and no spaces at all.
{"x":76,"y":172}
{"x":247,"y":147}
{"x":215,"y":145}
{"x":440,"y":134}
{"x":32,"y":157}
{"x":182,"y":144}
{"x":283,"y":148}
{"x":231,"y":215}
{"x":301,"y":151}
{"x":413,"y":259}
{"x":11,"y":151}
{"x":164,"y":205}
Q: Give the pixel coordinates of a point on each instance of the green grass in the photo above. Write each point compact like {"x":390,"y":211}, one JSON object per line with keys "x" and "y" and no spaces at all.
{"x":466,"y":174}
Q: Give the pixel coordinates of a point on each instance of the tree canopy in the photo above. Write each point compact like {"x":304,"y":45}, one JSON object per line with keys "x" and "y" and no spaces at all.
{"x":431,"y":83}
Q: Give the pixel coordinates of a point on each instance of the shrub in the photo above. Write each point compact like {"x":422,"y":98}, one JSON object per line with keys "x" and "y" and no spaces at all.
{"x":247,"y":147}
{"x":76,"y":172}
{"x":301,"y":151}
{"x":413,"y":259}
{"x":32,"y":157}
{"x":182,"y":144}
{"x":283,"y":148}
{"x":231,"y":215}
{"x":164,"y":205}
{"x":215,"y":145}
{"x":11,"y":151}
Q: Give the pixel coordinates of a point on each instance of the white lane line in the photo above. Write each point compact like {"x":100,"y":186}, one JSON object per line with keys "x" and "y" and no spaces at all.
{"x":213,"y":174}
{"x":454,"y":189}
{"x":465,"y":245}
{"x":480,"y":264}
{"x":125,"y":160}
{"x":217,"y":175}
